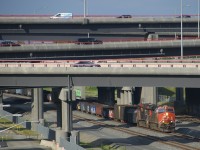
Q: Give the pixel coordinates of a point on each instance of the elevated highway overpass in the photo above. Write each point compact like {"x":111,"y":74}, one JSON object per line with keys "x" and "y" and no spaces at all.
{"x":110,"y":74}
{"x":125,"y":49}
{"x":44,"y":28}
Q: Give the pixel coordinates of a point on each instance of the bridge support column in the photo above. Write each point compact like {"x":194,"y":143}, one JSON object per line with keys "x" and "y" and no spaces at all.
{"x":1,"y":99}
{"x":192,"y":101}
{"x":66,"y":98}
{"x":125,"y":96}
{"x":179,"y":95}
{"x":149,"y":95}
{"x":66,"y":120}
{"x":41,"y":110}
{"x":106,"y":95}
{"x":37,"y":105}
{"x":137,"y":95}
{"x":55,"y":97}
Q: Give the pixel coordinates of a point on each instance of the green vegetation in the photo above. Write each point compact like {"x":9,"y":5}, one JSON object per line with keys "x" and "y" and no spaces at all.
{"x":166,"y":103}
{"x":48,"y":89}
{"x":88,"y":146}
{"x":169,"y":91}
{"x":91,"y":91}
{"x":108,"y":147}
{"x":18,"y":129}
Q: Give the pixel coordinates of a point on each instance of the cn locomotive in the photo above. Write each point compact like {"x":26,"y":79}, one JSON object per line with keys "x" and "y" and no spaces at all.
{"x":160,"y":118}
{"x":154,"y":117}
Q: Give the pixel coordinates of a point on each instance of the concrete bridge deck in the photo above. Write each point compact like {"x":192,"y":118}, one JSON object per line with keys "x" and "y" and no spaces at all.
{"x":183,"y":74}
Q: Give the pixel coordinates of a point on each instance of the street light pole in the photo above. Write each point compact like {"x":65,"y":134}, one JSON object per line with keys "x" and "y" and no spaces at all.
{"x":198,"y":18}
{"x":181,"y":29}
{"x":84,"y":8}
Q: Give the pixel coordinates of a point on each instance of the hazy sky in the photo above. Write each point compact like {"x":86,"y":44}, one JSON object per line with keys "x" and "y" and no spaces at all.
{"x":99,"y":7}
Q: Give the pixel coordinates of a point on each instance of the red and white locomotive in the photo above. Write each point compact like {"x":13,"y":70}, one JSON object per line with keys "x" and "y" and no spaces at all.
{"x":160,"y":118}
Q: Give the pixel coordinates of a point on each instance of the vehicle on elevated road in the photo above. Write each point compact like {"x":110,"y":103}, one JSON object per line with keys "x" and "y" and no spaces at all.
{"x":184,"y":16}
{"x":88,"y":41}
{"x":86,"y":64}
{"x":9,"y":43}
{"x":62,"y":15}
{"x":125,"y":16}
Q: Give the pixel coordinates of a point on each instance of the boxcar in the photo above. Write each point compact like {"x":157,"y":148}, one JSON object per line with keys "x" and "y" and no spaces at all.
{"x":111,"y":113}
{"x":93,"y":108}
{"x":99,"y":109}
{"x":131,"y":115}
{"x":119,"y":111}
{"x":83,"y":106}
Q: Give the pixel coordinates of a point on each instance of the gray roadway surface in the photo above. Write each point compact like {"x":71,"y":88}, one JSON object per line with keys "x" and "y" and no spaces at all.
{"x":32,"y":28}
{"x":100,"y":135}
{"x":134,"y":45}
{"x":93,"y":20}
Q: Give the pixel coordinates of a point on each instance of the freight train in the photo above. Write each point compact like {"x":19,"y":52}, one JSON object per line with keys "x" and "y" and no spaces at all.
{"x":154,"y":117}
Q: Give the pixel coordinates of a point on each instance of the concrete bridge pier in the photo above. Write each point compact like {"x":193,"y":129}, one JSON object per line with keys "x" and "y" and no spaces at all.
{"x":1,"y":99}
{"x":66,"y":109}
{"x":37,"y":105}
{"x":106,"y":95}
{"x":66,"y":123}
{"x":149,"y":95}
{"x":192,"y":100}
{"x":137,"y":95}
{"x":179,"y":95}
{"x":55,"y":96}
{"x":125,"y":96}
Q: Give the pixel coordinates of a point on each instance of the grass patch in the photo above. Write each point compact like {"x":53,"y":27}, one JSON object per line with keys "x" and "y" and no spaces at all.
{"x":169,"y":91}
{"x":166,"y":103}
{"x":85,"y":145}
{"x":18,"y":129}
{"x":48,"y":89}
{"x":109,"y":147}
{"x":104,"y":146}
{"x":91,"y":91}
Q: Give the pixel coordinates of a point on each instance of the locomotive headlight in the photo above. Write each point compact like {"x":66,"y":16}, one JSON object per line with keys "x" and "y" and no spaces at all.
{"x":167,"y":114}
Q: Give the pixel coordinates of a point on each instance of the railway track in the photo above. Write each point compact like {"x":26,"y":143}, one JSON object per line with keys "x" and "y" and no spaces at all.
{"x":152,"y":138}
{"x":178,"y":135}
{"x":188,"y":119}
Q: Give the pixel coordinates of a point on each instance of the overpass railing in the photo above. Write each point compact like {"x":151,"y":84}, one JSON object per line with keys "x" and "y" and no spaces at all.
{"x":107,"y":64}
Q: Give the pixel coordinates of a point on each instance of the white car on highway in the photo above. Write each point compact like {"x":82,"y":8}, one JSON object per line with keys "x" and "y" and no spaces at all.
{"x":62,"y":15}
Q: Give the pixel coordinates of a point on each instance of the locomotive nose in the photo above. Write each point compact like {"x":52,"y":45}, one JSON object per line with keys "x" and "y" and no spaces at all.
{"x":167,"y":119}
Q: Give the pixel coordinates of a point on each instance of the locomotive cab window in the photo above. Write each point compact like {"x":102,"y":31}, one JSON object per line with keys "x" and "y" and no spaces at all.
{"x":170,"y":110}
{"x":161,"y":110}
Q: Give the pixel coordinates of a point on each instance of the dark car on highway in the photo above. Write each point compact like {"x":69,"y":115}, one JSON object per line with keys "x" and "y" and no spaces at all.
{"x":86,"y":64}
{"x":9,"y":43}
{"x":184,"y":16}
{"x":125,"y":16}
{"x":88,"y":41}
